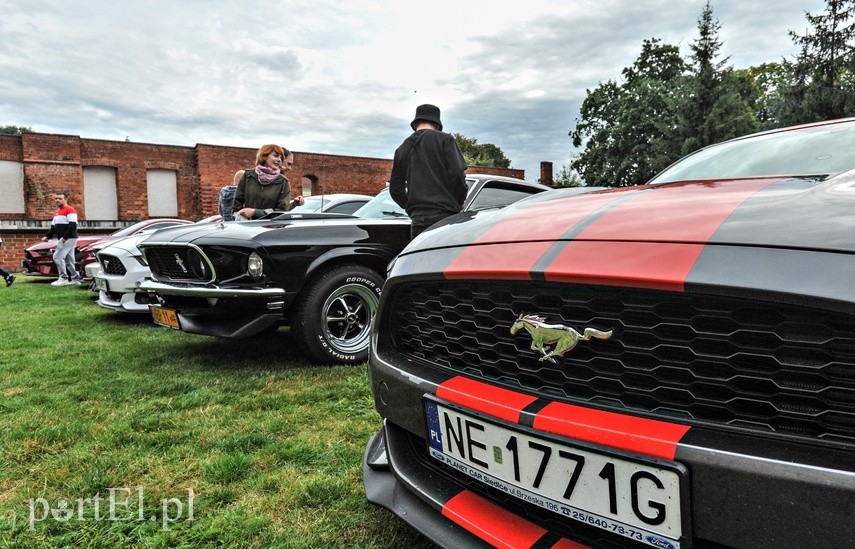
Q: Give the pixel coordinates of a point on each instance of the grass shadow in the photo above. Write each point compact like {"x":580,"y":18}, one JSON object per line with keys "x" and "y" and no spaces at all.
{"x":275,"y":350}
{"x":127,"y":319}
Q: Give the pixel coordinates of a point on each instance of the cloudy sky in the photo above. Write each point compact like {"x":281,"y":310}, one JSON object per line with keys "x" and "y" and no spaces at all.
{"x":345,"y":77}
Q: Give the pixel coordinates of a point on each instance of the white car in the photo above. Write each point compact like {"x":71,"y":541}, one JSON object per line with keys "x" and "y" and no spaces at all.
{"x":120,"y":265}
{"x":332,"y":203}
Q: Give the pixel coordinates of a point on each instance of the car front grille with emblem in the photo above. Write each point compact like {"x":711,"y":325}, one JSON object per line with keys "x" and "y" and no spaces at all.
{"x":111,"y":265}
{"x":729,"y":362}
{"x":190,"y":263}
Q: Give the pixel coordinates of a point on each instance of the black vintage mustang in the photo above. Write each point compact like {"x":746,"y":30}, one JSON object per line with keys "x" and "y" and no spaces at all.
{"x":669,"y":365}
{"x":319,"y":273}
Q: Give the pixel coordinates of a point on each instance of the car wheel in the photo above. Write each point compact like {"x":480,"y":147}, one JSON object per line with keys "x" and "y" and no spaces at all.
{"x":333,"y":319}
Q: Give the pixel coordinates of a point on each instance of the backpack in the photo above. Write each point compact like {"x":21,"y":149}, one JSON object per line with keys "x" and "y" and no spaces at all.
{"x":227,"y":196}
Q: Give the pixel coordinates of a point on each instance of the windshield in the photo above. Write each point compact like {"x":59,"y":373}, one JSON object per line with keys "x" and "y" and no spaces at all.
{"x":815,"y":151}
{"x":381,"y":207}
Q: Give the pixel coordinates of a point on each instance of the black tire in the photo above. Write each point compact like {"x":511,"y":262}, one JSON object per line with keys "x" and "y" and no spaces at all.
{"x":332,"y":320}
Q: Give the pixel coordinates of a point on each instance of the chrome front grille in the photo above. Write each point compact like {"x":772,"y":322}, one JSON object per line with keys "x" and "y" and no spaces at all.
{"x":180,"y":263}
{"x":192,"y":264}
{"x":731,"y":362}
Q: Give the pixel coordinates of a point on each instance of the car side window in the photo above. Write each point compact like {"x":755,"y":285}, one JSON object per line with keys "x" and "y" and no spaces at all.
{"x":497,"y":195}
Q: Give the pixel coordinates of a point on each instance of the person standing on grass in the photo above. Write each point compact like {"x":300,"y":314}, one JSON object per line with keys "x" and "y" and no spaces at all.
{"x":64,"y":228}
{"x":7,"y":276}
{"x":428,"y":174}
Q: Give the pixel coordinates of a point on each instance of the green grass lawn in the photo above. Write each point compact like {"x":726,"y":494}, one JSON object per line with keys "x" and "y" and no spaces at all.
{"x":99,"y":412}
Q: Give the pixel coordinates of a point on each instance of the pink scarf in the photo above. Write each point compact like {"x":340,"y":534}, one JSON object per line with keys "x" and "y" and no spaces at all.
{"x":266,"y":175}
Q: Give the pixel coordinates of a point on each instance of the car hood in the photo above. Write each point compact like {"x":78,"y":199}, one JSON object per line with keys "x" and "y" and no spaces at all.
{"x":123,"y":244}
{"x":267,"y":231}
{"x":779,"y":212}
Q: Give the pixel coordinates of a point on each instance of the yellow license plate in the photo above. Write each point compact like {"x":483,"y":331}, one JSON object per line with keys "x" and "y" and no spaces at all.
{"x":164,"y":317}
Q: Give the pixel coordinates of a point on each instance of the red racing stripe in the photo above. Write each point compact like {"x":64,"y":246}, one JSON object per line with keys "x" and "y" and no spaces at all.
{"x":506,"y":262}
{"x":495,"y":525}
{"x":550,"y":220}
{"x":633,"y":434}
{"x":654,"y":239}
{"x":513,"y":261}
{"x":650,"y":239}
{"x":649,"y":265}
{"x":484,"y":398}
{"x":686,"y":212}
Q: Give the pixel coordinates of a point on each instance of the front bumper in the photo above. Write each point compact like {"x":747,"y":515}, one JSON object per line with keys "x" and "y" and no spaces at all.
{"x":119,"y":291}
{"x":233,"y":313}
{"x":38,"y":268}
{"x":745,"y":491}
{"x":396,"y":488}
{"x":126,"y":301}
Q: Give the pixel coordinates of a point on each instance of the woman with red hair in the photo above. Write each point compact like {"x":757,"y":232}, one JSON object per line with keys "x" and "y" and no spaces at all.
{"x":265,"y":189}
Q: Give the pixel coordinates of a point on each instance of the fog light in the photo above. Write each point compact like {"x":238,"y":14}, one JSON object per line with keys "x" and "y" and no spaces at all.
{"x":255,"y":266}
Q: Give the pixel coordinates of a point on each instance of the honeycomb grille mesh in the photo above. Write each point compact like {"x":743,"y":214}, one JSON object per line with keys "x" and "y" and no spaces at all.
{"x":730,"y":362}
{"x":111,"y":265}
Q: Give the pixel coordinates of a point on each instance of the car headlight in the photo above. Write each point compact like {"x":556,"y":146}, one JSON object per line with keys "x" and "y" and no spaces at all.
{"x":255,"y":266}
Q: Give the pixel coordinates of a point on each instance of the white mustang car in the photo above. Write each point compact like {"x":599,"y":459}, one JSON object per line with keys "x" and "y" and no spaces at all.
{"x":120,"y":265}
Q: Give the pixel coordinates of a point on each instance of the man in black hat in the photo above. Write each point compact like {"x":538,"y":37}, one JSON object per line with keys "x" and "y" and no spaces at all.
{"x":428,"y":175}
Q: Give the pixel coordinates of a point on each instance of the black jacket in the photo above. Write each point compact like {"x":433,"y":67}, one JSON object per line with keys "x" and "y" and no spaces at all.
{"x":428,"y":175}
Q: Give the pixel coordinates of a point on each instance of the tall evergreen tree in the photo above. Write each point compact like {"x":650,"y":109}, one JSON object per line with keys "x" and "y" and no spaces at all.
{"x":715,"y":103}
{"x":823,"y":80}
{"x":769,"y":80}
{"x":628,"y":129}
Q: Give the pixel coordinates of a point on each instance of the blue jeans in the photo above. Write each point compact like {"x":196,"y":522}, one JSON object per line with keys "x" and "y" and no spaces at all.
{"x":63,"y":256}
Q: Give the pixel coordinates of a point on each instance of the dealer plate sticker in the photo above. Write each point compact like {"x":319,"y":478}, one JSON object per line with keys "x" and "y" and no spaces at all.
{"x":635,"y":497}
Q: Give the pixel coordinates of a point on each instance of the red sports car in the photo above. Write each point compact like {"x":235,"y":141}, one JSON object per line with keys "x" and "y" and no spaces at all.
{"x":38,"y":257}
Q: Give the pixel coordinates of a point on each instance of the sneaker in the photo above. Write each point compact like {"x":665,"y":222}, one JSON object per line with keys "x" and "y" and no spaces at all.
{"x":74,"y":282}
{"x":60,"y":282}
{"x":9,"y":280}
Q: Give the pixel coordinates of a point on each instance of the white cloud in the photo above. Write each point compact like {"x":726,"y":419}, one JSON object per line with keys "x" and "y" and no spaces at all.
{"x":345,"y":78}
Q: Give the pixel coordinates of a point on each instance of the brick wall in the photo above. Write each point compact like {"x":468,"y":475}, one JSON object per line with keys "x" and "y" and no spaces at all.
{"x":53,"y":162}
{"x":11,"y":148}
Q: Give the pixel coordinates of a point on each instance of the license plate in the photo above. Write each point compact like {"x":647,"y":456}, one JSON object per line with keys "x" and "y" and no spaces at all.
{"x":164,"y":317}
{"x":101,"y":284}
{"x":632,"y":496}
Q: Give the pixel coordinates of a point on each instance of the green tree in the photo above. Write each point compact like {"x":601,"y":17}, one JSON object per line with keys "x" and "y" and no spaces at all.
{"x":769,"y":80}
{"x":14,"y":130}
{"x":566,"y":177}
{"x":823,"y":80}
{"x":628,"y":129}
{"x":716,"y":101}
{"x":485,"y":155}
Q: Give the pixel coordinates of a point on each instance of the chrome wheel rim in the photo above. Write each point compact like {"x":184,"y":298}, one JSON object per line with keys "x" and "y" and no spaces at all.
{"x":346,"y":318}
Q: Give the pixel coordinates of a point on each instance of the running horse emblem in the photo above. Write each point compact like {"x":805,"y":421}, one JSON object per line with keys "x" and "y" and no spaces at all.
{"x":563,"y":337}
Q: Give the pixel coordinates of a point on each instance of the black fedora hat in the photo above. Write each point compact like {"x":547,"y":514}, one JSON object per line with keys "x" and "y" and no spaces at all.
{"x":429,"y":113}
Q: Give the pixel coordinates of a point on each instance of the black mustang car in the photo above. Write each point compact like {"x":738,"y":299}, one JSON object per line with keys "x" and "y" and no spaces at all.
{"x":669,"y":365}
{"x":319,"y":273}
